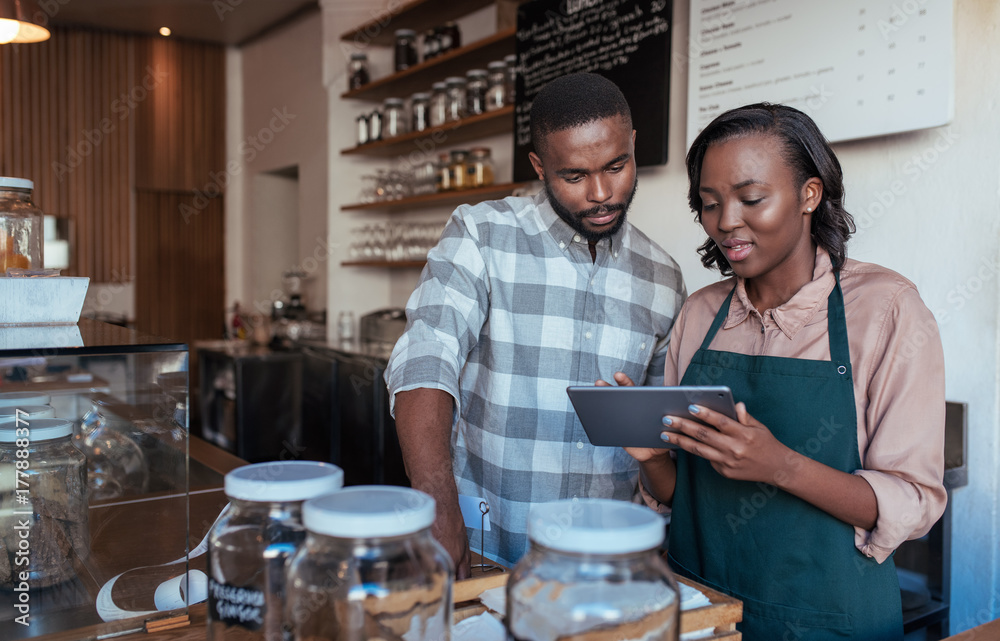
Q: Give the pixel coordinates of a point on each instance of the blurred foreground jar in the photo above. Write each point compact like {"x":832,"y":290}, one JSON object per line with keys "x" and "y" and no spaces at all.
{"x":594,"y":564}
{"x":43,"y":515}
{"x":116,"y":464}
{"x":21,"y":226}
{"x":249,"y":546}
{"x":370,"y":569}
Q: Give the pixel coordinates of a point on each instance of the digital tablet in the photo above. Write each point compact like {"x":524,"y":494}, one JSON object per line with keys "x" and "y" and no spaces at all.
{"x":633,"y":416}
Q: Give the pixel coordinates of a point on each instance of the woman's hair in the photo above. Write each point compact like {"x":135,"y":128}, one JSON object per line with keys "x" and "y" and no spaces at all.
{"x":805,"y":151}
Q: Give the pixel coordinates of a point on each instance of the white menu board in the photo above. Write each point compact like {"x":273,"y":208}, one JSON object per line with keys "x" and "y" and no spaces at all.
{"x":859,"y":68}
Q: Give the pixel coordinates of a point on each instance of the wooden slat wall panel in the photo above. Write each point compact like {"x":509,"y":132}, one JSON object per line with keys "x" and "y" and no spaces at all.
{"x":183,"y":121}
{"x":183,"y":296}
{"x":66,"y":127}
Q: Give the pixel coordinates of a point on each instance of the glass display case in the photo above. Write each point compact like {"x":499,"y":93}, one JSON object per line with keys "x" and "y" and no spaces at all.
{"x":103,"y":494}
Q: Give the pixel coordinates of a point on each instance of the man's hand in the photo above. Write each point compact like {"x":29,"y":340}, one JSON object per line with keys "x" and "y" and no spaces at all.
{"x":449,"y":530}
{"x":423,"y":424}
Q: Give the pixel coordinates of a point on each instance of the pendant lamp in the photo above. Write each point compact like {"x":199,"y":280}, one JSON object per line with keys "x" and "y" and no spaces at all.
{"x":21,"y":21}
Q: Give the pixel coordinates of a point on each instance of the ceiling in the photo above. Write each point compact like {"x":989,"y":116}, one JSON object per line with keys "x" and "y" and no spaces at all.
{"x":227,"y":22}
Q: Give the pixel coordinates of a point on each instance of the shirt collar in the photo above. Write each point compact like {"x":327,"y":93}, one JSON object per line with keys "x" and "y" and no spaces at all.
{"x":565,"y":235}
{"x":799,"y":309}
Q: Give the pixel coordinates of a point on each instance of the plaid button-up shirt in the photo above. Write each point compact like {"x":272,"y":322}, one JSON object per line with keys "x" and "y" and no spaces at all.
{"x":509,"y":311}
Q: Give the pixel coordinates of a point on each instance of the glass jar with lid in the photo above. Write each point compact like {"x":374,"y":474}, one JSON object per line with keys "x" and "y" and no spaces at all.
{"x":369,"y":568}
{"x":480,"y":167}
{"x":45,"y":512}
{"x":420,"y":111}
{"x":361,"y":124}
{"x":21,"y":226}
{"x":406,"y":49}
{"x":455,"y":86}
{"x":375,"y":125}
{"x":19,"y":399}
{"x":432,"y":44}
{"x":496,"y":85}
{"x":439,"y":104}
{"x":449,"y":37}
{"x":394,"y":121}
{"x":593,"y":564}
{"x":116,"y":464}
{"x":459,"y":169}
{"x":357,"y":70}
{"x":444,"y":172}
{"x":249,"y":546}
{"x":475,"y":92}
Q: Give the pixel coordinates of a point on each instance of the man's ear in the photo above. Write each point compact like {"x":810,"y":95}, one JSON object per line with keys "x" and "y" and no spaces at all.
{"x":536,"y":162}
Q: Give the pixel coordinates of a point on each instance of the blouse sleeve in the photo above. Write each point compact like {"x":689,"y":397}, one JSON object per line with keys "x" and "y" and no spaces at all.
{"x":904,"y":458}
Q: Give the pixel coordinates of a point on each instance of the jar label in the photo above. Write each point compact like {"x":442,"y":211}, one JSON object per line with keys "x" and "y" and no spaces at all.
{"x":235,"y":605}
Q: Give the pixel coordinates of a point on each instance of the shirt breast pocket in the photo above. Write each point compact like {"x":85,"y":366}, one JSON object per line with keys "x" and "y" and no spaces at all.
{"x":625,"y":351}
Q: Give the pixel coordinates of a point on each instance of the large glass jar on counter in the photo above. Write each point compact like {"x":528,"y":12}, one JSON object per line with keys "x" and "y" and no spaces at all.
{"x":594,"y":564}
{"x":370,"y":569}
{"x":116,"y":465}
{"x":43,"y":503}
{"x":21,"y":226}
{"x":249,"y":546}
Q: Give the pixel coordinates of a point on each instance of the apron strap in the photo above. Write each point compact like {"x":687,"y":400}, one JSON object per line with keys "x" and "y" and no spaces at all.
{"x":836,"y":327}
{"x":720,"y":318}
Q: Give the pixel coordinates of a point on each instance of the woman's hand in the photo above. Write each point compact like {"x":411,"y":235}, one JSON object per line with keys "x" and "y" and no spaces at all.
{"x":743,"y":450}
{"x":641,"y":454}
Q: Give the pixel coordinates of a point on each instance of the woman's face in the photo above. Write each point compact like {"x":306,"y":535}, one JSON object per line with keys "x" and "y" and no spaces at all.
{"x":754,"y":210}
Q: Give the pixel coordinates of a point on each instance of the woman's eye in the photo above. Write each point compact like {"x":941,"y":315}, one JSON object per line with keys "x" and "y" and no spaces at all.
{"x":751,"y":203}
{"x":708,"y":206}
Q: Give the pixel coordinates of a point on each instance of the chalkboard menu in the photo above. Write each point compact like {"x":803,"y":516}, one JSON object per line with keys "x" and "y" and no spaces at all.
{"x":626,"y":41}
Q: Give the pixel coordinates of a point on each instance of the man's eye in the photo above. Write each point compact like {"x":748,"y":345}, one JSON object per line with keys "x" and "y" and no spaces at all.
{"x":573,"y":179}
{"x":616,"y":169}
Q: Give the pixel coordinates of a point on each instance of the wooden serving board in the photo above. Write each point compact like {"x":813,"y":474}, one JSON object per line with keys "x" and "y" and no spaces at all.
{"x":723,"y":613}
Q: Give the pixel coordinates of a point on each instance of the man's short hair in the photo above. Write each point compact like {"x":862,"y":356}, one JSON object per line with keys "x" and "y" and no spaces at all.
{"x":574,"y":100}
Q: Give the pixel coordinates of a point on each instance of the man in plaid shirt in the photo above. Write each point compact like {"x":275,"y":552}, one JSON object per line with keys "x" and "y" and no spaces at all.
{"x":521,"y":298}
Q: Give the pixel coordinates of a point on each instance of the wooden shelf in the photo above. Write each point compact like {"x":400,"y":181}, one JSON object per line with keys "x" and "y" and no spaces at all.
{"x":454,"y":63}
{"x":430,"y":141}
{"x":397,"y":264}
{"x":418,"y":15}
{"x":445,"y":198}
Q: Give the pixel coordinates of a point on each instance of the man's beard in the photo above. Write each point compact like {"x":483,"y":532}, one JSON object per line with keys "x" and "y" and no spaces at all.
{"x":575,"y":219}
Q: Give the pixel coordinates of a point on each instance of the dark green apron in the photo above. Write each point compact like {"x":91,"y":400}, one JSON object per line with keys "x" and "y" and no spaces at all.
{"x":794,"y":566}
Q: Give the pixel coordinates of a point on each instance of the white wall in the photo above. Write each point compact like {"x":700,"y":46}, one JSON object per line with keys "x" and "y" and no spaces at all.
{"x":927,"y":204}
{"x":277,"y":119}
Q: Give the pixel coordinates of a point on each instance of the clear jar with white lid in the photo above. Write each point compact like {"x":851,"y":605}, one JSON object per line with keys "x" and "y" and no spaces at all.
{"x":21,"y":226}
{"x":249,"y":546}
{"x":594,"y":564}
{"x":394,"y":120}
{"x":420,"y":108}
{"x":370,"y":569}
{"x":17,"y":399}
{"x":45,"y":511}
{"x":496,"y":85}
{"x":25,"y":412}
{"x":439,"y":104}
{"x":455,"y":87}
{"x":475,"y":92}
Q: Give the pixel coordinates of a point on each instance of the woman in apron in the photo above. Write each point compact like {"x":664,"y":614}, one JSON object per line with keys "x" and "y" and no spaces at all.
{"x":837,"y":367}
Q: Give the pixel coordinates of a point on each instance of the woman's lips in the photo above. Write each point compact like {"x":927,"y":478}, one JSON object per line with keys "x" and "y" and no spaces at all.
{"x":737,"y":250}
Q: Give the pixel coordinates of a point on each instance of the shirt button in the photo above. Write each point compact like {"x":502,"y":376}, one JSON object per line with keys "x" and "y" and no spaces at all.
{"x":579,"y":445}
{"x":562,"y":245}
{"x":576,"y":238}
{"x":643,"y":346}
{"x":587,"y":334}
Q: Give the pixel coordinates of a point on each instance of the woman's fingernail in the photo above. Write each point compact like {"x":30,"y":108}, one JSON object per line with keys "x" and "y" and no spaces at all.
{"x":693,"y":409}
{"x":667,"y":420}
{"x":665,"y":437}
